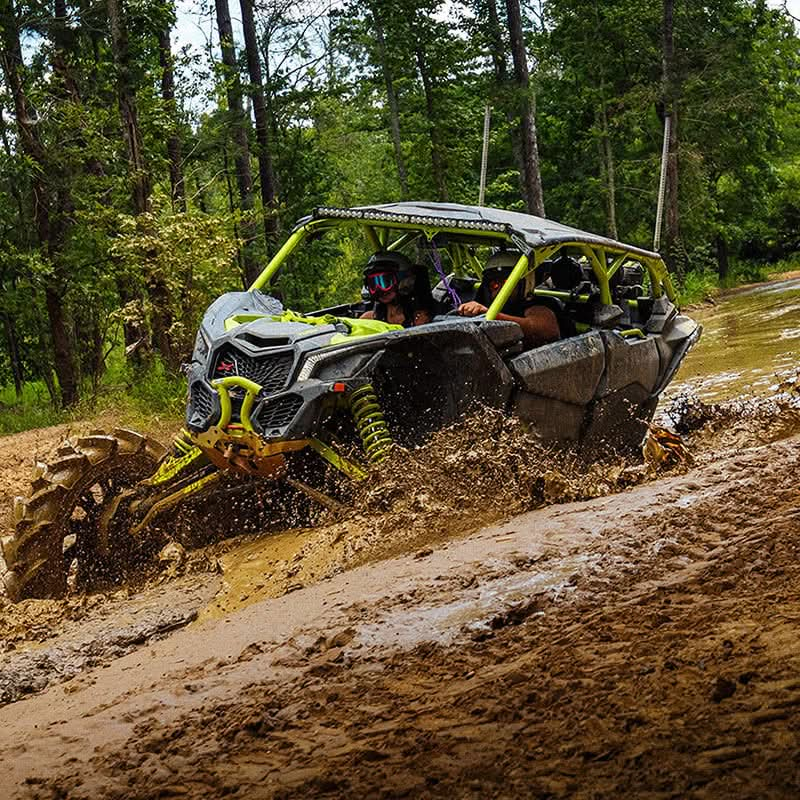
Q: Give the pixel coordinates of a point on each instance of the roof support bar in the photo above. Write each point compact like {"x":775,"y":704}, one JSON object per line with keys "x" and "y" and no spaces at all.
{"x":277,"y":260}
{"x":517,"y":274}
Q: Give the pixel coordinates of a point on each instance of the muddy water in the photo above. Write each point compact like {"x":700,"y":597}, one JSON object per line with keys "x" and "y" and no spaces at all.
{"x":478,"y":475}
{"x":751,"y":336}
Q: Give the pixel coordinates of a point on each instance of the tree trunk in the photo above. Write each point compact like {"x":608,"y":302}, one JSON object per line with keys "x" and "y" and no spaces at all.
{"x":394,"y":109}
{"x":238,"y":127}
{"x":607,"y":160}
{"x":50,"y":225}
{"x":231,"y":208}
{"x":63,"y":41}
{"x":526,"y":111}
{"x":670,"y":95}
{"x":722,"y":256}
{"x":497,"y":44}
{"x":266,"y":173}
{"x":13,"y":185}
{"x":127,"y":108}
{"x":174,"y":153}
{"x":437,"y":157}
{"x":13,"y":354}
{"x":62,"y":347}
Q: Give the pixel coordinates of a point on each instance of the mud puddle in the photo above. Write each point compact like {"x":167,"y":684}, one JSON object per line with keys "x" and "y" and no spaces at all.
{"x":477,"y":612}
{"x":749,"y":337}
{"x":664,"y":664}
{"x":467,"y":477}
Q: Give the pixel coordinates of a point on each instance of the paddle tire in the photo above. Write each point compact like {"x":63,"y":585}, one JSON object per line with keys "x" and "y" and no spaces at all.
{"x":57,"y":542}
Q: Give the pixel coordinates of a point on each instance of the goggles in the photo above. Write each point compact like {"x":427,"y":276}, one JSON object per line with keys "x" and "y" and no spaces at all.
{"x":495,"y":284}
{"x":381,"y":282}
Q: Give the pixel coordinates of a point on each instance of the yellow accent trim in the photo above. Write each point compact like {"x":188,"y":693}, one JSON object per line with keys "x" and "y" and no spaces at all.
{"x":277,"y":260}
{"x":632,"y":332}
{"x":175,"y":498}
{"x":373,"y":237}
{"x":344,"y":465}
{"x":517,"y":273}
{"x":241,"y":319}
{"x":251,"y":388}
{"x":171,"y":467}
{"x":402,"y":241}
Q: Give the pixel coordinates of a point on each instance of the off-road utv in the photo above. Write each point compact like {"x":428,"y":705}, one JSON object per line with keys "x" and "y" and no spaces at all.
{"x":273,"y":392}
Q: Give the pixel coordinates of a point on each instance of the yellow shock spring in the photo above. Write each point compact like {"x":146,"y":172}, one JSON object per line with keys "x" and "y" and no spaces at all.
{"x":370,"y":423}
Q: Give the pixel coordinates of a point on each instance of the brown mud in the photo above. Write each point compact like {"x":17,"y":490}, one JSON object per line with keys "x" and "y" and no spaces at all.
{"x":490,"y":619}
{"x":642,"y":644}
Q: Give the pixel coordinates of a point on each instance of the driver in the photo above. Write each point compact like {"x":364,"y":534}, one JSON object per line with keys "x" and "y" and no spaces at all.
{"x":539,"y":324}
{"x":400,"y":291}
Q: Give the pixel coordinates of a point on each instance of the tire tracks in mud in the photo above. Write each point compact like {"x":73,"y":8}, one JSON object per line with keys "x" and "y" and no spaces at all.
{"x":643,"y":643}
{"x":102,"y":634}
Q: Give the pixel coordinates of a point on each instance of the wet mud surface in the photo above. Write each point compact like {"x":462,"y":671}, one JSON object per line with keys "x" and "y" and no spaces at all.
{"x":749,"y":335}
{"x":516,"y":627}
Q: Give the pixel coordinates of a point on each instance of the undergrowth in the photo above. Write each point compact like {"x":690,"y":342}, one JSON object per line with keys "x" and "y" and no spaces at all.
{"x":136,"y":397}
{"x":701,"y":284}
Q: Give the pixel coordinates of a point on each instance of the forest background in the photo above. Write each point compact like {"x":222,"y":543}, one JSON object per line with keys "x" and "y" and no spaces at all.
{"x":140,"y":180}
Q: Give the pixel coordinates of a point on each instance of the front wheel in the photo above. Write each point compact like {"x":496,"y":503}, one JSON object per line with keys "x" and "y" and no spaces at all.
{"x":57,"y":531}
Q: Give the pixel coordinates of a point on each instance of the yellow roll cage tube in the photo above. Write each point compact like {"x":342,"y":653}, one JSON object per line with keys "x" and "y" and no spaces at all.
{"x":605,"y":259}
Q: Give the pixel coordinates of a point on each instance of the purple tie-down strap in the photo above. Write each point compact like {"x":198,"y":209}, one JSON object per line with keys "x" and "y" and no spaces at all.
{"x":437,"y":263}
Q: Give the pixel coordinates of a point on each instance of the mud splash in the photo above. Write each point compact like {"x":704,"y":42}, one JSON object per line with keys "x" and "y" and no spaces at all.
{"x":708,"y":427}
{"x":477,"y":473}
{"x":469,"y":475}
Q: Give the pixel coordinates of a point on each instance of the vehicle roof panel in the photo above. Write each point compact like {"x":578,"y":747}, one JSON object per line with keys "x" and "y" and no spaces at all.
{"x":535,"y":231}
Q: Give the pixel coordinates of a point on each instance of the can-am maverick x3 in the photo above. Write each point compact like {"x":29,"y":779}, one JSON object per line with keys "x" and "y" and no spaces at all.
{"x":271,"y":389}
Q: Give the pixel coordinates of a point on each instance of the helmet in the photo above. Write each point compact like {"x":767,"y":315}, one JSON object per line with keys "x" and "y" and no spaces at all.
{"x":504,"y":258}
{"x":496,"y":272}
{"x":387,"y":271}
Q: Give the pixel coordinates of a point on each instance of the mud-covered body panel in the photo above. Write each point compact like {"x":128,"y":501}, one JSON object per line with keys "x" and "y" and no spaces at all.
{"x":592,"y":387}
{"x":427,"y":376}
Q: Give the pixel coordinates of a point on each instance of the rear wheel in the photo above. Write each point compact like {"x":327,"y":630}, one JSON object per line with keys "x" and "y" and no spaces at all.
{"x":57,"y":541}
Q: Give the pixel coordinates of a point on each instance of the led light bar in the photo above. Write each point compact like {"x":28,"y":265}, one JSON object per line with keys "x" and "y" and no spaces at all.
{"x":325,"y":212}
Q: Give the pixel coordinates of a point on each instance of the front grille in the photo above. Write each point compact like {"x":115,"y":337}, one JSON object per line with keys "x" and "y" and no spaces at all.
{"x":201,"y":405}
{"x":279,"y":413}
{"x":268,"y":371}
{"x":202,"y":399}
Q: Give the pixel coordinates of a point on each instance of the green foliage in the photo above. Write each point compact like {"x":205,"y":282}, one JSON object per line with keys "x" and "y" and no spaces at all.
{"x":33,"y":410}
{"x":596,"y":71}
{"x":189,"y":254}
{"x":134,"y":396}
{"x":153,"y":390}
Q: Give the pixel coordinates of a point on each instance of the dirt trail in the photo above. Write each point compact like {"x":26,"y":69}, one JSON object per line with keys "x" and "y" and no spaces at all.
{"x":642,"y":640}
{"x":645,"y":643}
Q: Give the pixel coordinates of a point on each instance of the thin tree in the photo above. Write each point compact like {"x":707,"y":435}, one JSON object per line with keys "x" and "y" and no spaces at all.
{"x":606,"y":151}
{"x":525,"y":106}
{"x":266,"y":173}
{"x":391,"y":97}
{"x":670,"y":104}
{"x":126,"y":97}
{"x":437,"y":149}
{"x":238,"y":130}
{"x":174,"y":149}
{"x":12,"y":342}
